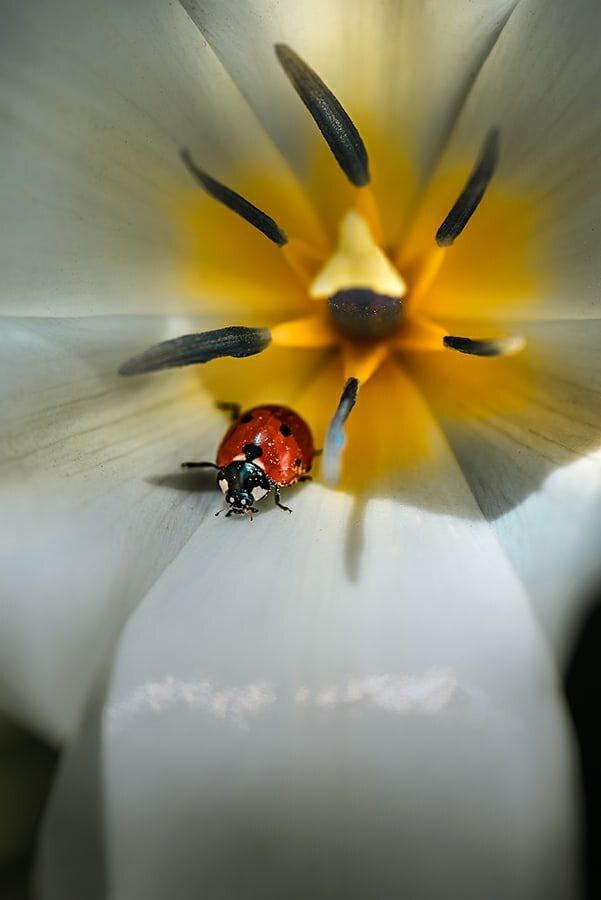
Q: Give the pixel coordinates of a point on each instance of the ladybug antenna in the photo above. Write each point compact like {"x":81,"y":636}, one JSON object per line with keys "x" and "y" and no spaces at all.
{"x":329,"y":115}
{"x":469,"y":199}
{"x":335,"y":437}
{"x":199,"y":465}
{"x":238,"y":204}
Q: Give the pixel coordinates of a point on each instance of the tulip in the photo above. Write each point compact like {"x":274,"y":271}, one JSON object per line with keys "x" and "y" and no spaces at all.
{"x":382,"y":215}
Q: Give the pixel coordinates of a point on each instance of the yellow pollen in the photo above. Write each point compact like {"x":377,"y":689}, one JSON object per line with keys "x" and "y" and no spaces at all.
{"x":357,"y":262}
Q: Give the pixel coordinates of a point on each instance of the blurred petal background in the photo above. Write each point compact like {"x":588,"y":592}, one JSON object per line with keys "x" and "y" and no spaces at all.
{"x":363,"y":699}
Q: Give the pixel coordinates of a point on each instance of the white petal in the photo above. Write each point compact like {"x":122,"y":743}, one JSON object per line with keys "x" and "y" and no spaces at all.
{"x":535,"y":470}
{"x":84,"y":531}
{"x":92,"y":504}
{"x":540,"y":86}
{"x":400,"y":68}
{"x":98,"y":100}
{"x":322,"y":705}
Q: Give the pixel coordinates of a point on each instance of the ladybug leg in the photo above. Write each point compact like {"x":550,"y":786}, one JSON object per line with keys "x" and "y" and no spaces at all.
{"x":305,"y":478}
{"x":199,"y":465}
{"x":276,"y":492}
{"x":234,"y":409}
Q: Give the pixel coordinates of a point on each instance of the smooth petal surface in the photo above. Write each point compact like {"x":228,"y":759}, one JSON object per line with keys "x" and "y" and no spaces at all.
{"x":84,"y":531}
{"x":357,"y":703}
{"x":401,"y":69}
{"x":540,"y":87}
{"x":534,"y":463}
{"x":99,"y":212}
{"x":89,"y":515}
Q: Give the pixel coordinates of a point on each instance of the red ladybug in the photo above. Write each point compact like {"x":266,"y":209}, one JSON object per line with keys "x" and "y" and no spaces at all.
{"x":266,"y":448}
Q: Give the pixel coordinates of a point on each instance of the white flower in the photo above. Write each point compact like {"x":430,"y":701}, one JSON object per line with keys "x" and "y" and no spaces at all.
{"x":358,"y":700}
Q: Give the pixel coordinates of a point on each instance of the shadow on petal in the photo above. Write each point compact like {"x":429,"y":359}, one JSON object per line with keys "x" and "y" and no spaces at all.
{"x":190,"y":482}
{"x":75,"y":859}
{"x":513,"y":422}
{"x":582,"y":681}
{"x":497,"y":415}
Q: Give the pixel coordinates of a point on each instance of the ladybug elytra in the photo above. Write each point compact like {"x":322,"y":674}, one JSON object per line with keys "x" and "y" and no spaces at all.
{"x":265,"y":449}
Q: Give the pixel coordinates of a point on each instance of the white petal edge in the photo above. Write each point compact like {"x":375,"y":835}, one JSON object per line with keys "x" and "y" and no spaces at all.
{"x":99,"y":98}
{"x":536,"y":473}
{"x":274,"y":727}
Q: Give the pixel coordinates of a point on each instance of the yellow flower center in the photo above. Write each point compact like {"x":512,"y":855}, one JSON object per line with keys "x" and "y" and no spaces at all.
{"x":420,"y":317}
{"x":364,"y":314}
{"x":311,"y":355}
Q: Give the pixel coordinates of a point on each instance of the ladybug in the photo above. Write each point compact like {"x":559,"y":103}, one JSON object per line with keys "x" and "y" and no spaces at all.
{"x":265,"y":449}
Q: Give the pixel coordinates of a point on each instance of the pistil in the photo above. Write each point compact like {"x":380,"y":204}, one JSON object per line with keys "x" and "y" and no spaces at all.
{"x":357,"y":262}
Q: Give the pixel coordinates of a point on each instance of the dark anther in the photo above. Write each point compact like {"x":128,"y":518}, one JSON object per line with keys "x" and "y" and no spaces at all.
{"x":335,"y":439}
{"x":236,"y":203}
{"x":362,"y":313}
{"x":500,"y":347}
{"x":286,"y":430}
{"x":330,"y":116}
{"x":236,"y":341}
{"x":471,"y":195}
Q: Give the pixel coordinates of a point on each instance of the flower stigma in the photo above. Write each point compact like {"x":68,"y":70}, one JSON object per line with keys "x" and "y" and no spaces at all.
{"x":370,"y":307}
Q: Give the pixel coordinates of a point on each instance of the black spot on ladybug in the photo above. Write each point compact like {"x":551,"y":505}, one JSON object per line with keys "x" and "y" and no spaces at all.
{"x":286,"y":430}
{"x":247,"y":418}
{"x":297,"y":462}
{"x":252,"y":451}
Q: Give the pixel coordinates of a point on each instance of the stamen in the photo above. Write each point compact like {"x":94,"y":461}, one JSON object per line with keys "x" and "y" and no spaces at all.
{"x":429,"y":268}
{"x":304,"y":260}
{"x":335,"y":437}
{"x":309,"y":331}
{"x":420,"y":333}
{"x":362,"y":313}
{"x":236,"y":202}
{"x":471,"y":195}
{"x":361,"y":360}
{"x":189,"y":349}
{"x":367,"y":207}
{"x":329,"y":115}
{"x":502,"y":347}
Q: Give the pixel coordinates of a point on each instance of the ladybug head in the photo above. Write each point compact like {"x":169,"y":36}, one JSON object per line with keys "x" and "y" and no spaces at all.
{"x":243,"y":483}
